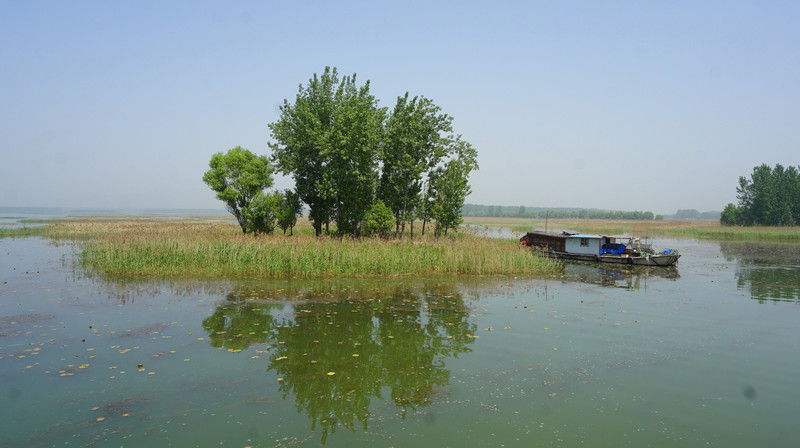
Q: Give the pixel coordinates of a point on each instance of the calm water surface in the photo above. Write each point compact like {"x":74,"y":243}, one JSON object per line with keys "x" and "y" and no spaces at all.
{"x":701,"y":355}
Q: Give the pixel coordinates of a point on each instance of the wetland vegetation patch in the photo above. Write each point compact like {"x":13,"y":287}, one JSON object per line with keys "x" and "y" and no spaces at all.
{"x":218,"y":249}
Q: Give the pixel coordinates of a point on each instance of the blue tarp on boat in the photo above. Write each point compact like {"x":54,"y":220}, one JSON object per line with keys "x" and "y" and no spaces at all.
{"x":614,"y":249}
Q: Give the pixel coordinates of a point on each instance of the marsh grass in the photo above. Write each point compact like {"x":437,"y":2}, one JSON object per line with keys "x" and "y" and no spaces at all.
{"x":10,"y":232}
{"x":137,"y":247}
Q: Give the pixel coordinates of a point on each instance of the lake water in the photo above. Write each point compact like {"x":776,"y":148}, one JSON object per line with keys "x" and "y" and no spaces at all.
{"x":701,"y":355}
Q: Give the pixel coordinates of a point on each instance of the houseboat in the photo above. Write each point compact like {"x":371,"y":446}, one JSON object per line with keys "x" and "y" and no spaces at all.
{"x":570,"y":245}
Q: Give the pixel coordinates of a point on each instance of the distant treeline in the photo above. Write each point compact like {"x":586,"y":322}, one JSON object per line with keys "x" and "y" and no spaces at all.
{"x":771,"y":197}
{"x":555,"y":213}
{"x":694,"y":214}
{"x":576,"y":213}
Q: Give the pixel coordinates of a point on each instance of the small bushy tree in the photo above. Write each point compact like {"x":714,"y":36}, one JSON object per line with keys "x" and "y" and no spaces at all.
{"x":290,"y":208}
{"x":379,"y":221}
{"x":262,"y":213}
{"x":731,"y":215}
{"x":239,"y":177}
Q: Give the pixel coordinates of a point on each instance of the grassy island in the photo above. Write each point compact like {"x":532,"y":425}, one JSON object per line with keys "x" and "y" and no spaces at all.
{"x":217,"y":248}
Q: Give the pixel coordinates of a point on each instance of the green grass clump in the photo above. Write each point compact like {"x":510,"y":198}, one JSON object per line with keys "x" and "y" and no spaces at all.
{"x":739,"y":233}
{"x":304,"y":257}
{"x":11,"y":232}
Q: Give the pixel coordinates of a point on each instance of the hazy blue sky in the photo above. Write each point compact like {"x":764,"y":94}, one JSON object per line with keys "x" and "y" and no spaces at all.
{"x":618,"y":105}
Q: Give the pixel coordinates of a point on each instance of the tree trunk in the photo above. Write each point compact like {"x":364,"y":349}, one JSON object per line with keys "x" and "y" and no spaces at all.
{"x":403,"y":214}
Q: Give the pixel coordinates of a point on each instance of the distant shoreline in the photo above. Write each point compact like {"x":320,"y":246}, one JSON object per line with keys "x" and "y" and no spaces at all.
{"x":111,"y":211}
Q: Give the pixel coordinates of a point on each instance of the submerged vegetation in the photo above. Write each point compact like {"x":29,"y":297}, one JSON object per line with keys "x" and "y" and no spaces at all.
{"x":185,"y":248}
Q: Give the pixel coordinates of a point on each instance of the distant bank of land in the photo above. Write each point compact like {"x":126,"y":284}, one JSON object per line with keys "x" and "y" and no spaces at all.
{"x":469,"y":210}
{"x":681,"y":228}
{"x":110,"y":211}
{"x":503,"y":211}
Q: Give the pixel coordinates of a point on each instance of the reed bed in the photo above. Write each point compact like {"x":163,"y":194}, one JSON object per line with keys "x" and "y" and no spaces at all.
{"x":218,"y":249}
{"x":756,"y":233}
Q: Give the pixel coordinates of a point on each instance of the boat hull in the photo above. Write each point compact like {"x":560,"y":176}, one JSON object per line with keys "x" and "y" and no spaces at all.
{"x":644,"y":260}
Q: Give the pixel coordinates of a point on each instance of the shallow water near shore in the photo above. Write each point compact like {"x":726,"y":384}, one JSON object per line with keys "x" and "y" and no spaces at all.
{"x":702,"y":354}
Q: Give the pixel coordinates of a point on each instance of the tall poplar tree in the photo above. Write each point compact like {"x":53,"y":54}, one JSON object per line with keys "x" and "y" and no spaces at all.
{"x":414,"y":142}
{"x":449,"y":186}
{"x":302,"y":133}
{"x":353,"y":154}
{"x":328,"y":140}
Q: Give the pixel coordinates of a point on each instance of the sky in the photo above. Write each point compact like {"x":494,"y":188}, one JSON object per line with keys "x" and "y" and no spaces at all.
{"x":619,"y":105}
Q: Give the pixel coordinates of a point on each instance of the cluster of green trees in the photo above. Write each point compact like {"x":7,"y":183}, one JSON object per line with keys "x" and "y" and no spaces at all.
{"x":770,"y":197}
{"x":352,"y":160}
{"x":360,"y":166}
{"x":558,"y":213}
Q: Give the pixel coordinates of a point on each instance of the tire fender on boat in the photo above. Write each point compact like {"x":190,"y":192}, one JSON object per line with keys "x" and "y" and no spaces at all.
{"x":630,"y":260}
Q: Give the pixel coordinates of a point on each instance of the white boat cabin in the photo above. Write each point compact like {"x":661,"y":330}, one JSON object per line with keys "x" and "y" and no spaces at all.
{"x":584,"y":244}
{"x":595,"y":244}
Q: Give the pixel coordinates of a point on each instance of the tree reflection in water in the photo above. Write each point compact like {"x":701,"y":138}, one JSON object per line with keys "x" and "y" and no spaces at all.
{"x":338,"y":346}
{"x":770,"y":271}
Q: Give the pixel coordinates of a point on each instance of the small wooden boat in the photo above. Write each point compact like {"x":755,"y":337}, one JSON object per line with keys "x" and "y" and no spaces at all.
{"x":570,"y":245}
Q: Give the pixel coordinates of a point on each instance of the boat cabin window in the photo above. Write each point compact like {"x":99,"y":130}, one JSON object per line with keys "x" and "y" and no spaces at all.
{"x":584,"y":242}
